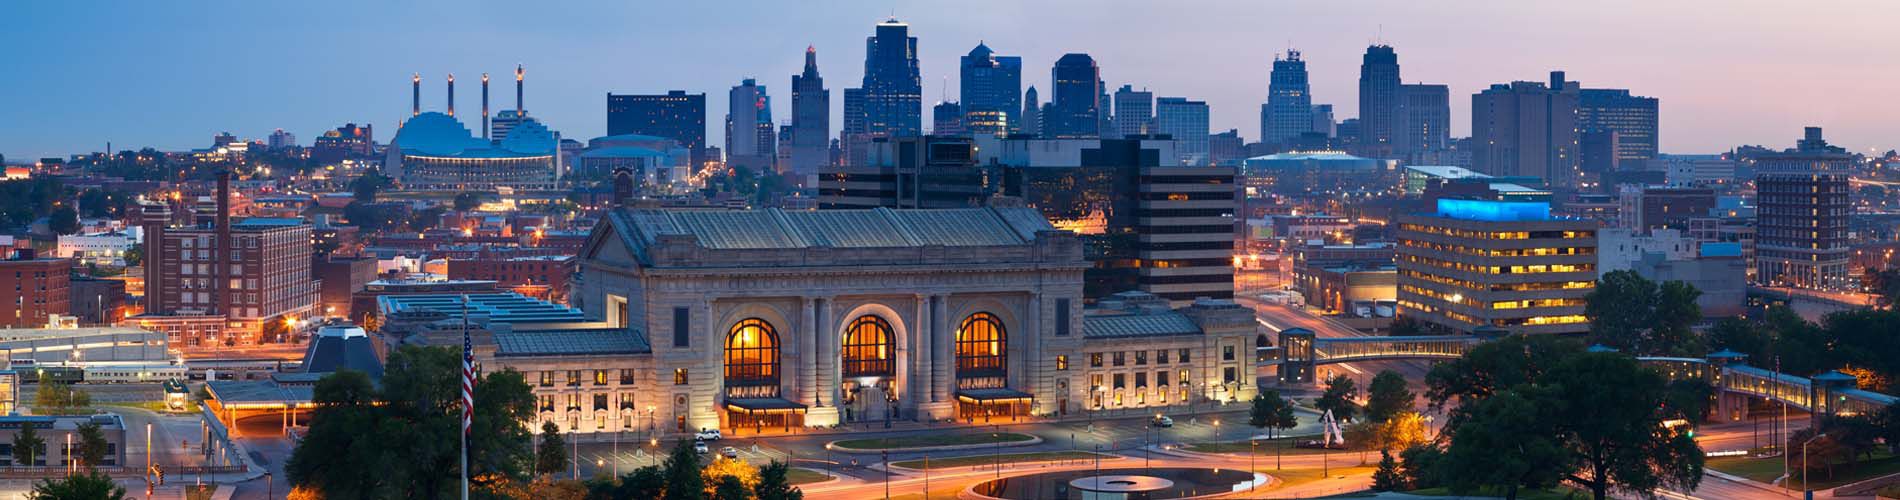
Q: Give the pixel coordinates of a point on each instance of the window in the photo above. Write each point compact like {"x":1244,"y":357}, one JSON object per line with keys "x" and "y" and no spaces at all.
{"x":1062,"y":317}
{"x":1228,"y":375}
{"x":980,"y":344}
{"x":1161,"y":379}
{"x":868,"y":345}
{"x":626,"y":376}
{"x":1095,"y":360}
{"x":752,"y":353}
{"x":1226,"y":353}
{"x":682,"y":326}
{"x":1062,"y":363}
{"x":1095,"y":381}
{"x":1121,"y":380}
{"x":1184,"y":356}
{"x":679,"y":376}
{"x":573,"y":378}
{"x":547,"y":379}
{"x":1161,"y":357}
{"x":1141,"y":358}
{"x":600,"y":377}
{"x":600,"y":401}
{"x":1184,"y":378}
{"x":1121,"y":358}
{"x":1141,"y":380}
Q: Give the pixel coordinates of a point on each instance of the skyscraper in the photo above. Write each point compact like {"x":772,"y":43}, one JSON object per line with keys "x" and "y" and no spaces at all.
{"x":811,"y":120}
{"x":1629,"y":121}
{"x":1424,"y":122}
{"x":946,"y":118}
{"x":1289,"y":108}
{"x":1323,"y":123}
{"x":675,"y":115}
{"x":1528,"y":129}
{"x":893,"y":89}
{"x":990,"y":91}
{"x":1134,"y":112}
{"x":1186,"y":122}
{"x":1802,"y":212}
{"x":1075,"y":107}
{"x":751,"y":139}
{"x":1032,"y":113}
{"x":1378,"y":100}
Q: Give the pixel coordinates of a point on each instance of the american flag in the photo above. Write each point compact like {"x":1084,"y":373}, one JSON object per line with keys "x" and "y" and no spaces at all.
{"x":468,"y":379}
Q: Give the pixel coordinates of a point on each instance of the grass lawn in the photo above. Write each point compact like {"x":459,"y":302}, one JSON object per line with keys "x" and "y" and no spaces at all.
{"x":1267,"y":447}
{"x":197,"y":492}
{"x":157,"y":406}
{"x":1296,"y":477}
{"x":1764,"y":470}
{"x":1008,"y":458}
{"x":922,"y":440}
{"x":1767,"y":469}
{"x":798,"y":476}
{"x":1551,"y":494}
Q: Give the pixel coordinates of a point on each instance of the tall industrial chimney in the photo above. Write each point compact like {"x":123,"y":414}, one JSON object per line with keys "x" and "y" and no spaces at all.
{"x":485,"y":106}
{"x":519,"y":113}
{"x":451,"y":94}
{"x":222,"y":250}
{"x":415,"y":94}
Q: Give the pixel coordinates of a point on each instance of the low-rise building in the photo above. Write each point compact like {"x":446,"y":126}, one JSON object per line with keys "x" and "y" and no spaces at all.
{"x":1511,"y":265}
{"x":40,"y":290}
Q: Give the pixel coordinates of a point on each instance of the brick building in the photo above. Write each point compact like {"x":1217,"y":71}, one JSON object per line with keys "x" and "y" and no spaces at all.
{"x":540,"y":277}
{"x":32,"y":288}
{"x":252,"y":272}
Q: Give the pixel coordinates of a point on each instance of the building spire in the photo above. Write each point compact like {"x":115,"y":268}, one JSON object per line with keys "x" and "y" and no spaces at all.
{"x":485,"y":105}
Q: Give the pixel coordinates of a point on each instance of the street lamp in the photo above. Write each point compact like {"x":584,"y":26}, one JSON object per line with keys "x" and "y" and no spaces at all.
{"x":1807,"y":491}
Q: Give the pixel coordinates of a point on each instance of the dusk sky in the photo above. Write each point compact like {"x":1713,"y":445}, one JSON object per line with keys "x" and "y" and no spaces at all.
{"x":171,"y":74}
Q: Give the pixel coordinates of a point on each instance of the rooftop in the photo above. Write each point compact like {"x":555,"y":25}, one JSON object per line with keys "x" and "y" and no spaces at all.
{"x":873,"y":228}
{"x":498,"y":307}
{"x":569,"y":341}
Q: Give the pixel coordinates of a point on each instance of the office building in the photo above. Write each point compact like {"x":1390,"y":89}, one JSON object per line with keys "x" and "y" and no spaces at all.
{"x":1226,"y":148}
{"x":946,"y":118}
{"x":1032,"y":113}
{"x":1647,"y":208}
{"x":1693,"y":170}
{"x":912,"y":172}
{"x":1623,"y":125}
{"x":1508,"y":265}
{"x":1134,"y":112}
{"x":990,"y":89}
{"x":1424,"y":120}
{"x":811,"y":121}
{"x":892,"y":91}
{"x":675,"y":115}
{"x":346,"y":142}
{"x":41,"y":290}
{"x":1323,"y":123}
{"x":1346,"y":279}
{"x":258,"y":297}
{"x":1289,"y":108}
{"x":1185,"y":121}
{"x":1323,"y":174}
{"x":1803,"y":204}
{"x":1380,"y":97}
{"x":751,"y":137}
{"x":1528,"y":129}
{"x":1075,"y":107}
{"x":281,"y":140}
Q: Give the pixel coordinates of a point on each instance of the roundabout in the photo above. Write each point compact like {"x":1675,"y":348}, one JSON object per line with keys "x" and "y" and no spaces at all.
{"x":1118,"y":484}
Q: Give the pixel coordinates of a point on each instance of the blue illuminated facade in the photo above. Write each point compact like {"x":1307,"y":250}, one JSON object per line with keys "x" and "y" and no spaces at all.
{"x":1493,"y":211}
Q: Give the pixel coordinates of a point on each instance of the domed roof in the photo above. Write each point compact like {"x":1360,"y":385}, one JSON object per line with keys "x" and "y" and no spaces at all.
{"x":529,"y":137}
{"x":436,"y":134}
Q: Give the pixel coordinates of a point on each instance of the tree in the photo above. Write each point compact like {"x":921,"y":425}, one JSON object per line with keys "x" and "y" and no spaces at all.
{"x":1688,"y":399}
{"x":1401,"y":431}
{"x":1884,"y":284}
{"x":55,"y":397}
{"x":1507,"y":441}
{"x":550,"y":457}
{"x":467,"y":200}
{"x":366,"y":186}
{"x":722,"y":468}
{"x":774,"y":485}
{"x":135,"y":255}
{"x":1387,"y":478}
{"x":91,"y":445}
{"x":1616,"y":432}
{"x":1406,"y":326}
{"x":63,"y":221}
{"x":1362,"y":435}
{"x":683,"y":480}
{"x":1338,"y":397}
{"x":1421,"y":465}
{"x":28,"y":446}
{"x":1271,"y":411}
{"x":1387,"y":396}
{"x":89,"y":485}
{"x":646,"y":483}
{"x":1495,"y":366}
{"x":729,"y":488}
{"x":1631,"y":313}
{"x":1742,"y":336}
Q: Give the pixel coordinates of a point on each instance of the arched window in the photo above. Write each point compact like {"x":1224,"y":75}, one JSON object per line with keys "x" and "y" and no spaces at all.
{"x":868,"y":348}
{"x":752,"y":354}
{"x":980,"y":344}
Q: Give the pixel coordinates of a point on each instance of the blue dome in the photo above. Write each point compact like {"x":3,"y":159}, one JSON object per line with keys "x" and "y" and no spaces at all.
{"x":436,"y":134}
{"x":529,"y":137}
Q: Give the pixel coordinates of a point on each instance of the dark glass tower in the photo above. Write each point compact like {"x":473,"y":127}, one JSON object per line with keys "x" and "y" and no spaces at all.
{"x":1075,"y":107}
{"x":811,"y":119}
{"x":1378,"y":100}
{"x":991,"y":92}
{"x":1289,"y":108}
{"x":893,"y":90}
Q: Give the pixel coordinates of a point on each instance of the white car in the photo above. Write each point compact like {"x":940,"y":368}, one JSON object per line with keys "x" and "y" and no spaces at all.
{"x":700,"y":447}
{"x":708,"y":435}
{"x":730,"y":452}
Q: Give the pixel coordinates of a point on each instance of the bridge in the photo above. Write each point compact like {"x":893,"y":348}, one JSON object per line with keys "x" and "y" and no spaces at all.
{"x":1300,"y":351}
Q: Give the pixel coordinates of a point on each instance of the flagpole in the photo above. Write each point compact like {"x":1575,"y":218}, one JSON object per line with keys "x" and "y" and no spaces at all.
{"x":468,"y":395}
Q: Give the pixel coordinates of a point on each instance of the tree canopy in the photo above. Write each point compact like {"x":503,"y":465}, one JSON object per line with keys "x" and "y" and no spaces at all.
{"x":1387,"y":396}
{"x":1633,"y":314}
{"x":1338,"y":398}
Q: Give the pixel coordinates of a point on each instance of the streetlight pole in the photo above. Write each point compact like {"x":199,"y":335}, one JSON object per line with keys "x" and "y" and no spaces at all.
{"x":887,"y":473}
{"x":1807,"y":492}
{"x":1253,"y":447}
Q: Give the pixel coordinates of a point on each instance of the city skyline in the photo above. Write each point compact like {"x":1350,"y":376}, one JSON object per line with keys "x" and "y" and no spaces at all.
{"x":246,"y":72}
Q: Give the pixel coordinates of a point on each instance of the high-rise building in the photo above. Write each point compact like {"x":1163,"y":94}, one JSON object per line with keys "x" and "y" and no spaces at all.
{"x":1379,"y":100}
{"x":1105,"y":114}
{"x":281,"y":140}
{"x":990,"y":91}
{"x":675,"y":115}
{"x":1802,"y":211}
{"x":811,"y":121}
{"x":1186,"y":122}
{"x":893,"y":88}
{"x":1226,"y":148}
{"x":1424,"y":122}
{"x":1626,"y":123}
{"x":854,"y":138}
{"x":932,"y":171}
{"x":1134,"y":111}
{"x":1032,"y":113}
{"x":1481,"y":262}
{"x":1528,"y":129}
{"x":1323,"y":123}
{"x":946,"y":118}
{"x":751,"y":138}
{"x":347,"y":141}
{"x":1289,"y":108}
{"x":241,"y":278}
{"x":1075,"y":107}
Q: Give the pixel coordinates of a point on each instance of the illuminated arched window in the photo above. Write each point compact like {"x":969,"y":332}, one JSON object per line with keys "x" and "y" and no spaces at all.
{"x":752,"y":354}
{"x":980,"y":344}
{"x":868,"y":348}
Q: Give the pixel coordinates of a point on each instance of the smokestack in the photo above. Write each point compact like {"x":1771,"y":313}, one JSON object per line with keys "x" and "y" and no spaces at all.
{"x":519,"y":111}
{"x":222,"y":251}
{"x":155,"y":217}
{"x":451,"y":94}
{"x":415,"y":95}
{"x":485,"y":106}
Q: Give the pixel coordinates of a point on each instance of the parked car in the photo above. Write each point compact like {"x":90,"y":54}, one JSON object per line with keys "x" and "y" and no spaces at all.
{"x":730,"y":452}
{"x":708,"y":435}
{"x":1161,"y":421}
{"x":699,"y":447}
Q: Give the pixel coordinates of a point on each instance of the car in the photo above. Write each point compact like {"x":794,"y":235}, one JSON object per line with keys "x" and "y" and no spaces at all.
{"x":708,"y":435}
{"x":1161,"y":421}
{"x":699,"y":447}
{"x":729,"y":452}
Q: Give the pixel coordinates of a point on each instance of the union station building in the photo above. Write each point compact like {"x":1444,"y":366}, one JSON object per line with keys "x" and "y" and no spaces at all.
{"x":768,"y":319}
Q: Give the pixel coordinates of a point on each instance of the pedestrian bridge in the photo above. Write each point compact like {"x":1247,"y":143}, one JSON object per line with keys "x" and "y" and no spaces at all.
{"x":1300,"y":351}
